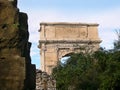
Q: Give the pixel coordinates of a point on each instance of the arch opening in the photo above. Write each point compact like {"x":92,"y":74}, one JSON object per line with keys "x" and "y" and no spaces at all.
{"x":66,"y":57}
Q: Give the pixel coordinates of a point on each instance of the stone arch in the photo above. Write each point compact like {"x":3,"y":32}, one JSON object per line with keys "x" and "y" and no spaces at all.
{"x":64,"y":52}
{"x":59,"y":39}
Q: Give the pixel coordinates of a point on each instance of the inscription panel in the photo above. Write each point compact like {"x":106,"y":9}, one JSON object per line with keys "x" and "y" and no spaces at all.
{"x":71,"y":32}
{"x":66,"y":32}
{"x":83,"y":32}
{"x":50,"y":32}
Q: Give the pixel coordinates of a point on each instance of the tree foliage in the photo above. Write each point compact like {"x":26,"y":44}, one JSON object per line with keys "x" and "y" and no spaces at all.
{"x":117,"y":42}
{"x":100,"y":70}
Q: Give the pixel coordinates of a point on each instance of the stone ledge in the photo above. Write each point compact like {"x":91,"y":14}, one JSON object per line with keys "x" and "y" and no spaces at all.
{"x":67,"y":23}
{"x":69,"y":41}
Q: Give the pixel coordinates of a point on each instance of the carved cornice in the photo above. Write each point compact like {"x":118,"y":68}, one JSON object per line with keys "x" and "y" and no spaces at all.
{"x":69,"y":41}
{"x":67,"y":23}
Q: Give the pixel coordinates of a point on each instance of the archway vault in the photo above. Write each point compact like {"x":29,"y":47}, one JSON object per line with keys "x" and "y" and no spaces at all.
{"x":59,"y":39}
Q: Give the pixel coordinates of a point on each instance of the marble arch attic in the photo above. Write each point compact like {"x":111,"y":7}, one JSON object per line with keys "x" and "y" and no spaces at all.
{"x":61,"y":38}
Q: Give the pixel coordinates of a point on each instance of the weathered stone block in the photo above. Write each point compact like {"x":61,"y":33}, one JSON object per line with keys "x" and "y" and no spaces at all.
{"x":17,"y":72}
{"x":12,"y":72}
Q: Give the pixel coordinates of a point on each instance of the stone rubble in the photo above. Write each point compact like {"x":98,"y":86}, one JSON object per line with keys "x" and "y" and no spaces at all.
{"x":44,"y":81}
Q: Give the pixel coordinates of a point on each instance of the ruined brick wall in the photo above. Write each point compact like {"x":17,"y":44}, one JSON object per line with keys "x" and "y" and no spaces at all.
{"x":16,"y":70}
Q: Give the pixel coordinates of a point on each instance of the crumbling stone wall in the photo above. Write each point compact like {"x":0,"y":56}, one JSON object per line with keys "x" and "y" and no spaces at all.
{"x":16,"y":70}
{"x":44,"y":81}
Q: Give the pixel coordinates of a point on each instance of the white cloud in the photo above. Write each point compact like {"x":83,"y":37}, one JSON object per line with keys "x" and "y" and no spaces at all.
{"x":33,"y":53}
{"x":109,"y":19}
{"x":107,"y":36}
{"x":34,"y":37}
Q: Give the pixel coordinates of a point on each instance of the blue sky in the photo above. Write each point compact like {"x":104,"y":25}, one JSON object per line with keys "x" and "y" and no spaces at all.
{"x":104,"y":12}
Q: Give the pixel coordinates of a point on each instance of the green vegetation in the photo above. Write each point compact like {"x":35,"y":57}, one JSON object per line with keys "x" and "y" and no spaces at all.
{"x":97,"y":71}
{"x":16,"y":25}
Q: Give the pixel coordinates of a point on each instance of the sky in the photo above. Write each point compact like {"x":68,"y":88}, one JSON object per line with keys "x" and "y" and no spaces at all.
{"x":104,"y":12}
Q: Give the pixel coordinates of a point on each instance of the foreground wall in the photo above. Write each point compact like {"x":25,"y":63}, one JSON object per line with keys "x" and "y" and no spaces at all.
{"x":16,"y":70}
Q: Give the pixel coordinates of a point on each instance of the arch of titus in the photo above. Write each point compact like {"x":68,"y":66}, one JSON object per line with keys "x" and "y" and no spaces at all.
{"x":60,"y":39}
